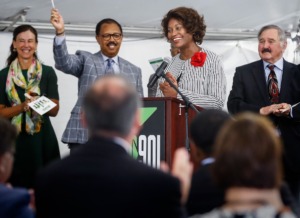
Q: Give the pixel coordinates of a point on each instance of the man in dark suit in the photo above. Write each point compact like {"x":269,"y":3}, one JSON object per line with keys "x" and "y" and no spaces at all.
{"x":271,"y":87}
{"x":204,"y":194}
{"x":101,"y":179}
{"x":87,"y":67}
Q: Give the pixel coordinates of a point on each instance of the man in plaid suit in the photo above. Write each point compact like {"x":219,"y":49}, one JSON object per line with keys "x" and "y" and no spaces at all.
{"x":87,"y":67}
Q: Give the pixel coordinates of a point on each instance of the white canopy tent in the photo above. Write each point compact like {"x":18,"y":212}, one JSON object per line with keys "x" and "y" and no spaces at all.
{"x":231,"y":33}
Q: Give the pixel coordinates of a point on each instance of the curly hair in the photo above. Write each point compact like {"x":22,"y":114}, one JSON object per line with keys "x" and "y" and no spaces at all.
{"x":191,"y":21}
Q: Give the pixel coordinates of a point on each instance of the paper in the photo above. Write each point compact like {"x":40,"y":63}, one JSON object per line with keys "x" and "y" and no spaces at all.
{"x":155,"y":63}
{"x":52,"y":1}
{"x":42,"y":105}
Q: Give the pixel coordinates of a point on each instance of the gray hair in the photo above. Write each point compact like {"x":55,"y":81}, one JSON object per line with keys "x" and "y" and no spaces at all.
{"x":109,"y":111}
{"x":281,"y":33}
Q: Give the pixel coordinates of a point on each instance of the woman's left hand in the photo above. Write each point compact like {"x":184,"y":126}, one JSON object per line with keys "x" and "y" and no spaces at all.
{"x":165,"y":87}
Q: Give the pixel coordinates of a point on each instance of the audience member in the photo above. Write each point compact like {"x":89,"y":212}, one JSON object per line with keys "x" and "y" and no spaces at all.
{"x":270,"y":87}
{"x":14,"y":202}
{"x":196,"y":71}
{"x":87,"y":67}
{"x":101,"y":179}
{"x":36,"y":144}
{"x":248,"y":166}
{"x":204,"y":194}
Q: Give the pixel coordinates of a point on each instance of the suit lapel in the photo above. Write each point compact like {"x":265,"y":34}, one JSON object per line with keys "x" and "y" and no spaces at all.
{"x":123,"y":66}
{"x":286,"y":77}
{"x":259,"y":77}
{"x":99,"y":63}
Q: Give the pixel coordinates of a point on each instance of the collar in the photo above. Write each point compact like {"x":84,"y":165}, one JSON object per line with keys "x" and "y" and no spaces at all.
{"x":208,"y":160}
{"x":278,"y":64}
{"x":115,"y":58}
{"x":123,"y":143}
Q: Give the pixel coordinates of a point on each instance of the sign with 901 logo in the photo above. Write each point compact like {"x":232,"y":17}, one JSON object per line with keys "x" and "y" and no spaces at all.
{"x":148,"y":146}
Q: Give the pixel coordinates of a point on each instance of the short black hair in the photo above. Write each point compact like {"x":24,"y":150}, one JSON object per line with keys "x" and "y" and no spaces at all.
{"x":205,"y":127}
{"x":109,"y":21}
{"x":8,"y":135}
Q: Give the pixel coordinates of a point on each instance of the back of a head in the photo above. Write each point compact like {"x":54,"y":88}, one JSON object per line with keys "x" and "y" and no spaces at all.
{"x":8,"y":135}
{"x":248,"y":154}
{"x":205,"y":127}
{"x":110,"y":105}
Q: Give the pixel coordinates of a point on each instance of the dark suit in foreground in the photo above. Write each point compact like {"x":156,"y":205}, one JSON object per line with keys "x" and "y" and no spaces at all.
{"x":101,"y":179}
{"x":204,"y":194}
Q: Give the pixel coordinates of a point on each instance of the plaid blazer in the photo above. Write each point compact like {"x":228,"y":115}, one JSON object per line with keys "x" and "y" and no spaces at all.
{"x":87,"y":67}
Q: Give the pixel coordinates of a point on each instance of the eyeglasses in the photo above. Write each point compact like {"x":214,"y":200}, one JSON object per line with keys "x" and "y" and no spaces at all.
{"x":107,"y":37}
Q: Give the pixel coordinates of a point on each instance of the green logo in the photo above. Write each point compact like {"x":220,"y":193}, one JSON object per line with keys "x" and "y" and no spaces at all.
{"x":146,"y":113}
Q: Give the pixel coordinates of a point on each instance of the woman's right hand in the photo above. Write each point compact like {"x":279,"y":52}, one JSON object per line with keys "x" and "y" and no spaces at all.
{"x":25,"y":105}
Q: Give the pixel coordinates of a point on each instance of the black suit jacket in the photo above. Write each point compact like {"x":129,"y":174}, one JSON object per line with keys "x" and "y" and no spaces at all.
{"x":204,"y":194}
{"x":249,"y":93}
{"x":101,"y":180}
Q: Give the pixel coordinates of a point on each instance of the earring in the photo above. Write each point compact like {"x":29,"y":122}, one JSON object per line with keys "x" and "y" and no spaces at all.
{"x":14,"y":50}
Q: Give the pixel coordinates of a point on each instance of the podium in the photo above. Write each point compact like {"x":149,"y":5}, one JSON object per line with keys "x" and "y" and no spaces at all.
{"x":163,"y":131}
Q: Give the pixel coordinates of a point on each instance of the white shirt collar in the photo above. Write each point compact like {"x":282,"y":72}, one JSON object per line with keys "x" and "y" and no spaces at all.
{"x":278,"y":64}
{"x":123,"y":143}
{"x":208,"y":160}
{"x":116,"y":59}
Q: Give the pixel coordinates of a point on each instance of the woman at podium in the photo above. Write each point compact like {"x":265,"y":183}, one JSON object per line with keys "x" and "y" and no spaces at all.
{"x":196,"y":72}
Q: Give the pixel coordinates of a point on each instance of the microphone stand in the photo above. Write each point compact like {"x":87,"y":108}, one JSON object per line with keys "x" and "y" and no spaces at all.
{"x":188,"y":104}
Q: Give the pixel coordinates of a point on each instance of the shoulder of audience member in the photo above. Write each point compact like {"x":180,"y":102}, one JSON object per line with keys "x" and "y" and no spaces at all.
{"x":15,"y":196}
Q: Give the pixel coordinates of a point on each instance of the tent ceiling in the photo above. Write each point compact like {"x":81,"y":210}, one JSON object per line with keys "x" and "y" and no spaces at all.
{"x":230,"y":19}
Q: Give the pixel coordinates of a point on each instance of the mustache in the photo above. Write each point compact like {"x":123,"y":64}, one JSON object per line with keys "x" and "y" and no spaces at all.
{"x":266,"y":50}
{"x":111,"y":43}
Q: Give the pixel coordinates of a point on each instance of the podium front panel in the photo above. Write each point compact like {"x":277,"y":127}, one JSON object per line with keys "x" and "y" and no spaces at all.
{"x":149,"y":145}
{"x":164,"y":130}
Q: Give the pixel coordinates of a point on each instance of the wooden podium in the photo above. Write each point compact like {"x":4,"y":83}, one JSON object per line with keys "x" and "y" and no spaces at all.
{"x":164,"y":130}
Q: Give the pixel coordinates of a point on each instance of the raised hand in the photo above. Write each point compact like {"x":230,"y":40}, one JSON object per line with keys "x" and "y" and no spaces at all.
{"x":57,"y":21}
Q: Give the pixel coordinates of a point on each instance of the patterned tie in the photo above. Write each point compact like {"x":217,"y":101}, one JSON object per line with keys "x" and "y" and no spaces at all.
{"x":273,"y":86}
{"x":109,"y":68}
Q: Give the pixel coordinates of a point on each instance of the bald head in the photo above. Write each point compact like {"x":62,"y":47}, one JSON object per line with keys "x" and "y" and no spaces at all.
{"x":111,"y":105}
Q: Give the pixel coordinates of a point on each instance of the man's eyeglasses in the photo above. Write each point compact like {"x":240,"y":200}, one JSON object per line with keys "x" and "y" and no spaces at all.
{"x":107,"y":37}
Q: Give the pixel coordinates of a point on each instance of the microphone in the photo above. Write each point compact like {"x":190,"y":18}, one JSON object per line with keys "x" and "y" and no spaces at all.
{"x":158,"y":73}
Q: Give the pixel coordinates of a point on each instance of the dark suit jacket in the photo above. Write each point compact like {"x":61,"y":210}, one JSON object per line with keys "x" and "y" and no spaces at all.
{"x":101,"y":180}
{"x":249,"y":93}
{"x":204,"y":194}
